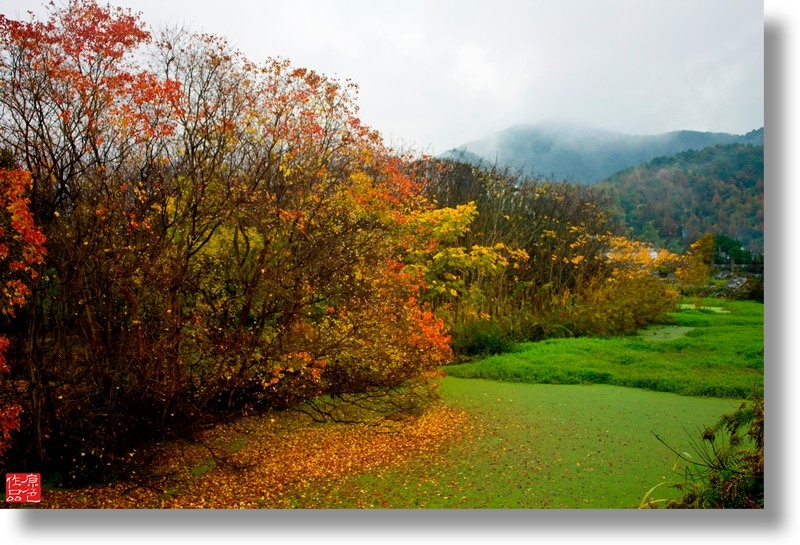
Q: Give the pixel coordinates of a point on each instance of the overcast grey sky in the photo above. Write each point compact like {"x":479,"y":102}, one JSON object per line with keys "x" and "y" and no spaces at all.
{"x":435,"y":74}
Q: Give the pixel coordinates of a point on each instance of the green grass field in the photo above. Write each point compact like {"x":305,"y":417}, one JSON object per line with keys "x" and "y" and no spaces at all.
{"x":716,"y":351}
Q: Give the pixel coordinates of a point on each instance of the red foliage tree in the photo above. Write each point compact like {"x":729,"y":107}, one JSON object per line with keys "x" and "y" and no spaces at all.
{"x":22,"y":252}
{"x":79,"y":113}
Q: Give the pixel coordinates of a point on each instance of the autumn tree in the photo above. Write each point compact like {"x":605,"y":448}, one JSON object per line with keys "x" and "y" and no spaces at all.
{"x":83,"y":119}
{"x":695,"y":271}
{"x":561,"y":230}
{"x":21,"y":257}
{"x":628,"y":295}
{"x":572,"y":273}
{"x":291,"y":296}
{"x":222,"y":236}
{"x":552,"y":221}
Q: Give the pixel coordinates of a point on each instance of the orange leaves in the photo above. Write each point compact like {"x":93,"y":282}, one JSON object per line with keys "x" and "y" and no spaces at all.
{"x":638,"y":258}
{"x":429,"y":335}
{"x":22,"y":250}
{"x":147,"y":106}
{"x":292,"y":217}
{"x":100,"y":31}
{"x":22,"y":244}
{"x":82,"y":80}
{"x":281,"y":459}
{"x":9,"y":416}
{"x":14,"y":292}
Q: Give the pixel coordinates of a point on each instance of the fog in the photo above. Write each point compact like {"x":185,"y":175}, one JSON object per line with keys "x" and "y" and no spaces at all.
{"x":435,"y":74}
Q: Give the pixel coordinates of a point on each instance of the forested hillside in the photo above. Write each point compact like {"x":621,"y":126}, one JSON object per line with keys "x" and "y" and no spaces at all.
{"x":587,"y":155}
{"x":672,"y":201}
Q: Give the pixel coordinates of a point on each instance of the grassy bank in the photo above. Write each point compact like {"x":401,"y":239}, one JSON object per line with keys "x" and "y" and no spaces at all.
{"x":716,"y":350}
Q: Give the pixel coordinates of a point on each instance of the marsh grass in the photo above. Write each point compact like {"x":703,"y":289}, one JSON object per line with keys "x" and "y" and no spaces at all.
{"x":696,"y":351}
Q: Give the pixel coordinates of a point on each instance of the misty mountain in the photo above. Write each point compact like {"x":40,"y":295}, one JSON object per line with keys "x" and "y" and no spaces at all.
{"x":583,"y":154}
{"x":672,"y":201}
